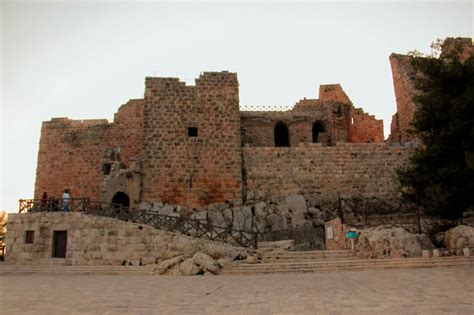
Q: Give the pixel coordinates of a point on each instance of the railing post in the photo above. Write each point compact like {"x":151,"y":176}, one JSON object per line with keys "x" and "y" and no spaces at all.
{"x":255,"y":239}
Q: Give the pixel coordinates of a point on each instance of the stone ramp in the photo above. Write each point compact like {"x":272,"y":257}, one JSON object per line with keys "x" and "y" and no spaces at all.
{"x":327,"y":261}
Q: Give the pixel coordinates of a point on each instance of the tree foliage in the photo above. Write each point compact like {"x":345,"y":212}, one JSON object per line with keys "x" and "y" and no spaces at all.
{"x":440,"y":176}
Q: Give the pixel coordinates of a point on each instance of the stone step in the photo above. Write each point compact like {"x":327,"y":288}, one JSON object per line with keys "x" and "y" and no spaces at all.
{"x":313,"y":266}
{"x":362,"y":261}
{"x":318,"y":253}
{"x":110,"y":270}
{"x":348,"y":265}
{"x":292,"y":266}
{"x":347,"y":268}
{"x":285,"y":257}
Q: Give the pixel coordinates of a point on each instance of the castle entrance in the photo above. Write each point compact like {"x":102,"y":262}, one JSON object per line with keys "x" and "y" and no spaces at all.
{"x":121,"y":199}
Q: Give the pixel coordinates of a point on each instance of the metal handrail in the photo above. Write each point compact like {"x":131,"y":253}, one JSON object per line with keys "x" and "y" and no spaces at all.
{"x":199,"y":228}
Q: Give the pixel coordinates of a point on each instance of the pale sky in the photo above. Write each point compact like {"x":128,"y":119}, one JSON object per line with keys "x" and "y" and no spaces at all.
{"x":82,"y":60}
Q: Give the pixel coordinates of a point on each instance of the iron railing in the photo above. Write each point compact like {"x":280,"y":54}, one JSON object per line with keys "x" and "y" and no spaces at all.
{"x":53,"y":204}
{"x":186,"y":226}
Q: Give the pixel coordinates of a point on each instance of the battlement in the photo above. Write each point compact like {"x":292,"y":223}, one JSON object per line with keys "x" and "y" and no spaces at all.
{"x":217,"y":78}
{"x":64,"y":121}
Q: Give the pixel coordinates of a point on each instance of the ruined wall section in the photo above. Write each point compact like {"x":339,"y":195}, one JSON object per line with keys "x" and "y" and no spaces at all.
{"x":362,"y":169}
{"x":258,"y":127}
{"x":70,"y":151}
{"x":402,"y":73}
{"x":333,"y":92}
{"x":183,"y":169}
{"x":127,"y":131}
{"x":365,"y":128}
{"x":403,"y":76}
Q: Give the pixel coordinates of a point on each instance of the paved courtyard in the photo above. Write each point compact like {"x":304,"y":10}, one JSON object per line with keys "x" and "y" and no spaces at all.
{"x":412,"y":291}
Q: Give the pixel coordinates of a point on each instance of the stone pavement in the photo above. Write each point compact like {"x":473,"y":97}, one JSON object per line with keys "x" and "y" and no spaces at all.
{"x":410,"y":291}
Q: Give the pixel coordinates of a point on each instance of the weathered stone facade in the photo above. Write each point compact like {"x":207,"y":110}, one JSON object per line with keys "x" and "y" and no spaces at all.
{"x":191,"y":146}
{"x":363,"y":169}
{"x":94,"y":240}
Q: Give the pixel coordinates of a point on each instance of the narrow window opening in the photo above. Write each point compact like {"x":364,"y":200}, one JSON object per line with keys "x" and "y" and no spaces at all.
{"x":29,"y":237}
{"x":59,"y":244}
{"x":281,"y":135}
{"x":191,"y":181}
{"x":339,"y":111}
{"x":318,"y":128}
{"x":192,"y":132}
{"x":106,"y":168}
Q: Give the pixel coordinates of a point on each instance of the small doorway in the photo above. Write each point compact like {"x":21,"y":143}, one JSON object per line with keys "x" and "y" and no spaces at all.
{"x":121,"y":199}
{"x":59,"y":244}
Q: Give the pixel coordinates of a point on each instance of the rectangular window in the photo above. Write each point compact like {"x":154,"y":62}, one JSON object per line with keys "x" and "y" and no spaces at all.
{"x":29,"y":237}
{"x":106,"y":168}
{"x":59,"y":244}
{"x":192,"y":132}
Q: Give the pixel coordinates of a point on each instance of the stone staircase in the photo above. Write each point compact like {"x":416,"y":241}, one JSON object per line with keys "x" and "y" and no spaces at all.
{"x":327,"y":261}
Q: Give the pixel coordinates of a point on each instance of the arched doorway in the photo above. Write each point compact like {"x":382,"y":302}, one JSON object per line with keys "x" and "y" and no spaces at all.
{"x":317,"y":129}
{"x":121,"y":199}
{"x":282,"y":138}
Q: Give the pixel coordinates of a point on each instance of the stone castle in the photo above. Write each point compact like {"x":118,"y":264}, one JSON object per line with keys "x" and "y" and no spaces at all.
{"x":185,"y":159}
{"x":192,"y":146}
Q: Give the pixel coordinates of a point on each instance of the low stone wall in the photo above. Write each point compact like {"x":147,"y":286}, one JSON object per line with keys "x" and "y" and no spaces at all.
{"x":95,"y":240}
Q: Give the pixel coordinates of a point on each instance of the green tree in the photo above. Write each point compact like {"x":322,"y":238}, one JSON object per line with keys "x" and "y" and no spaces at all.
{"x":440,"y":176}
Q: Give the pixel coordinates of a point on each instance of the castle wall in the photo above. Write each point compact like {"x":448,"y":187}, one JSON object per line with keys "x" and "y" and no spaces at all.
{"x":185,"y":170}
{"x":258,"y":127}
{"x":365,"y":128}
{"x":70,"y":151}
{"x":402,"y":71}
{"x":361,"y":169}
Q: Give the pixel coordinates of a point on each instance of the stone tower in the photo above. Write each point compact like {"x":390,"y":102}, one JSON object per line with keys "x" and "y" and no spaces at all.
{"x":191,"y":146}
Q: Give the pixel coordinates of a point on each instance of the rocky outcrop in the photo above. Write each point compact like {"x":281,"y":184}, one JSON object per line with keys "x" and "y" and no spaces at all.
{"x":391,"y":242}
{"x":459,"y":237}
{"x":198,"y":264}
{"x":282,"y":218}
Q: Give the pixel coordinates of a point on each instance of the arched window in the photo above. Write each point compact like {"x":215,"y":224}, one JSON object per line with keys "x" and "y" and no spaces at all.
{"x":122,"y":199}
{"x":317,"y":129}
{"x":282,"y":138}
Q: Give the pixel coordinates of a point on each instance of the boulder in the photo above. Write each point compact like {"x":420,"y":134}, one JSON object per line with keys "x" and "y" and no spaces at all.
{"x":163,"y":266}
{"x":202,"y":215}
{"x":222,"y":262}
{"x":243,"y":219}
{"x":167,"y":210}
{"x":205,"y":263}
{"x":260,"y":209}
{"x":459,"y":237}
{"x":389,"y":241}
{"x":297,"y":207}
{"x":189,"y":268}
{"x":438,"y":239}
